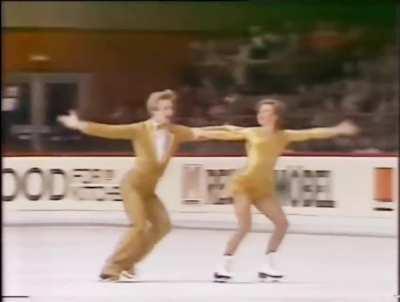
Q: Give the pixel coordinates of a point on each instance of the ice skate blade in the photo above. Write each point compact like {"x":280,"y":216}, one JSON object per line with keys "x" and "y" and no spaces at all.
{"x":265,"y":276}
{"x":120,"y":281}
{"x":221,"y":278}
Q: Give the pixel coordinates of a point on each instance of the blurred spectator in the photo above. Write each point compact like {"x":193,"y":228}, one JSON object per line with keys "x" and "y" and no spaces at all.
{"x":323,"y":75}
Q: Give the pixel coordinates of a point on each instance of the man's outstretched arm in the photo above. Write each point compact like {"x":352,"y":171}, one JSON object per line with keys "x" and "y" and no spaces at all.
{"x":227,"y":133}
{"x":72,"y":121}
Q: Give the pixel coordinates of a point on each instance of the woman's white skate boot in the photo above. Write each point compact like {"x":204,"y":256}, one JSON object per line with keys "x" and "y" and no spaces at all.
{"x":269,"y":270}
{"x":223,"y":272}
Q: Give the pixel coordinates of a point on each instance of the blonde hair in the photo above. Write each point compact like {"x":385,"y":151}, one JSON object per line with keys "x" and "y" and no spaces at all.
{"x":279,"y":110}
{"x":157,"y":96}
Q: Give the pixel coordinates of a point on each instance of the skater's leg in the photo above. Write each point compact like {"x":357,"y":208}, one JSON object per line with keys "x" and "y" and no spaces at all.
{"x":160,"y":224}
{"x":272,"y":208}
{"x":242,"y":207}
{"x":136,"y":238}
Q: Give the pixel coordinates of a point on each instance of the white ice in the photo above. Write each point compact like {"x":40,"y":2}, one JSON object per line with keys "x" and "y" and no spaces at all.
{"x":61,"y":263}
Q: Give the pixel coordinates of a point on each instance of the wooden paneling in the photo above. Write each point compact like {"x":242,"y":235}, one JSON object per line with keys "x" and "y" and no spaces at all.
{"x":76,"y":51}
{"x":126,"y":66}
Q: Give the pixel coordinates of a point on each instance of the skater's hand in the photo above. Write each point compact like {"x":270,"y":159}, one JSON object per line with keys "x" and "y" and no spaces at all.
{"x":347,"y":128}
{"x":70,"y":121}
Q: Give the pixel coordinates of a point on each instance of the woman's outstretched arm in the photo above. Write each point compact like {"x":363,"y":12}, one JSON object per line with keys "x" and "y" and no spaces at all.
{"x":345,"y":128}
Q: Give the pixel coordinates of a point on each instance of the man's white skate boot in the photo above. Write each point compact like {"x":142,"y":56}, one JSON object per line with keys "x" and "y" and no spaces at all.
{"x":123,"y":277}
{"x":268,"y":270}
{"x":223,"y":272}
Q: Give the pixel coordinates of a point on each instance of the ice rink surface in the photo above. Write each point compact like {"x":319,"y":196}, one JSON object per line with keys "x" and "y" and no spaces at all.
{"x":61,"y":263}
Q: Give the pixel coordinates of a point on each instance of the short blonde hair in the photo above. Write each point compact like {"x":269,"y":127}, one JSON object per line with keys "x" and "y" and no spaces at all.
{"x":157,"y":96}
{"x":279,"y":109}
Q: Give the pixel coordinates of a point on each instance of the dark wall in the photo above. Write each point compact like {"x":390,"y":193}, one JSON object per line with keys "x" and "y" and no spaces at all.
{"x":195,"y":15}
{"x":126,"y":66}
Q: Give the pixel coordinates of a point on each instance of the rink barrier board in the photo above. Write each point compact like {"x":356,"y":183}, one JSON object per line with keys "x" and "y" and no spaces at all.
{"x":344,"y":186}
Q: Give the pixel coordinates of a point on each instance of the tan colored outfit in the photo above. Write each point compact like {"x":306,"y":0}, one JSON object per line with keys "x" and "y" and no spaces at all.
{"x":144,"y":208}
{"x":256,"y":180}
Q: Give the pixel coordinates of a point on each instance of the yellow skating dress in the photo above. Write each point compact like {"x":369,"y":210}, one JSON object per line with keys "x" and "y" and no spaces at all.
{"x":256,"y":181}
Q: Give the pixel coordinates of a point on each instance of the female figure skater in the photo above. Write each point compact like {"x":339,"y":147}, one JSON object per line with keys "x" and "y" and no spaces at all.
{"x":255,"y":185}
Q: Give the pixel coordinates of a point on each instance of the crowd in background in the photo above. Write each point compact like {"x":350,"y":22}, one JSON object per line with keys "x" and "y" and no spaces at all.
{"x":322,"y":76}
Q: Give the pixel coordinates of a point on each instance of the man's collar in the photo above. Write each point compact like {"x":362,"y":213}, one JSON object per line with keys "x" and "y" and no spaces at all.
{"x":156,"y":125}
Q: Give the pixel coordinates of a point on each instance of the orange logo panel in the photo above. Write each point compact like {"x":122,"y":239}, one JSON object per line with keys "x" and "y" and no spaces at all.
{"x":383,"y":184}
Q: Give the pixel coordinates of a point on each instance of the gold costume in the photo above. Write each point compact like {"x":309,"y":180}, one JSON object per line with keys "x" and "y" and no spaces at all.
{"x":142,"y":205}
{"x":256,"y":181}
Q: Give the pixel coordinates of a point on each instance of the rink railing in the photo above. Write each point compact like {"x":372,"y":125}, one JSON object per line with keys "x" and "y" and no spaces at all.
{"x":320,"y":193}
{"x":10,"y":153}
